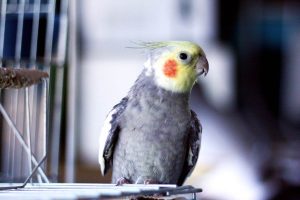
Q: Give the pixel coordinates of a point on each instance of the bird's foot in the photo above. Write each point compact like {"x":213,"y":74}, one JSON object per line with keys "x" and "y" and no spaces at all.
{"x":150,"y":181}
{"x":146,"y":180}
{"x":122,"y":181}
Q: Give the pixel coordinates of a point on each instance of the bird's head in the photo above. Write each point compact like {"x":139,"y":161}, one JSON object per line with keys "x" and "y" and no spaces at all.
{"x":175,"y":65}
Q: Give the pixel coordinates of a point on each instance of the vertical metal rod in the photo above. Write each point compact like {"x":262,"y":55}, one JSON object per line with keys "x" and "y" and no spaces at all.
{"x":35,"y":31}
{"x":2,"y":31}
{"x":71,"y":115}
{"x":48,"y":56}
{"x":13,"y":100}
{"x":28,"y":129}
{"x":63,"y":31}
{"x":45,"y":114}
{"x":32,"y":63}
{"x":56,"y":124}
{"x":37,"y":125}
{"x":49,"y":31}
{"x":2,"y":28}
{"x":60,"y":58}
{"x":39,"y":178}
{"x":34,"y":117}
{"x":18,"y":47}
{"x":21,"y":140}
{"x":20,"y":24}
{"x":9,"y":146}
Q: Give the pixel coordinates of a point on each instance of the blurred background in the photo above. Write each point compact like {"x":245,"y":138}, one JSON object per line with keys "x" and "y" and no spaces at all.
{"x":248,"y":104}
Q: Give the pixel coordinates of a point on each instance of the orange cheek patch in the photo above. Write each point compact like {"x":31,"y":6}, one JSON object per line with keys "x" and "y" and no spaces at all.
{"x":170,"y":68}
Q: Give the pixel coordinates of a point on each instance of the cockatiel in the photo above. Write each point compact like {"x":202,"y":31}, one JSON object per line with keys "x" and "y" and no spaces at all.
{"x":152,"y":136}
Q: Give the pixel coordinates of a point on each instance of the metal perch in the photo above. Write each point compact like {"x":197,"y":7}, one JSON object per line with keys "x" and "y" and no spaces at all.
{"x":19,"y":78}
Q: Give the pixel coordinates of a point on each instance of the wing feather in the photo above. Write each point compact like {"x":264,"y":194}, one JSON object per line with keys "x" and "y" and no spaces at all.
{"x":109,"y":135}
{"x":193,"y":148}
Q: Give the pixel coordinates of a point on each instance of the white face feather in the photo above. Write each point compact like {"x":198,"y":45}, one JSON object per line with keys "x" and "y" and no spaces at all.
{"x":103,"y":137}
{"x":148,"y":67}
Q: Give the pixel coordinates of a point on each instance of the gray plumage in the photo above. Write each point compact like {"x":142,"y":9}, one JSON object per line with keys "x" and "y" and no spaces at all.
{"x":153,"y":135}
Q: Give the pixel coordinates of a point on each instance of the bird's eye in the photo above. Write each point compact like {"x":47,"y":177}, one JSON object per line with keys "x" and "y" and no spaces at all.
{"x":184,"y":57}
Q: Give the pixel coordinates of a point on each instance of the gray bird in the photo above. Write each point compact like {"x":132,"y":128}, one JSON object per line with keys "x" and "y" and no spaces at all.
{"x":152,"y":136}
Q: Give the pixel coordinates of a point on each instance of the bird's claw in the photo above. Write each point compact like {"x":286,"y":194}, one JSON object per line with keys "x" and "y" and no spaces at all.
{"x":122,"y":181}
{"x":150,"y":181}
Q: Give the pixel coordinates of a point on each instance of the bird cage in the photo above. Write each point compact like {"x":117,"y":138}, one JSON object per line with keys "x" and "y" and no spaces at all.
{"x":32,"y":56}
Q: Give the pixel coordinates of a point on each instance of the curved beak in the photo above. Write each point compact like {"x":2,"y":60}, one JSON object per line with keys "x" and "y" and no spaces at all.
{"x":202,"y":66}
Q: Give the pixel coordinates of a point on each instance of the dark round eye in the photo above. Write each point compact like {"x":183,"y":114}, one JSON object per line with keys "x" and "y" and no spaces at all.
{"x":183,"y":56}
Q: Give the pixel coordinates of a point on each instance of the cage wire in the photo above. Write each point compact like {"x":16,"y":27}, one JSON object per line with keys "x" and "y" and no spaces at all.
{"x":33,"y":36}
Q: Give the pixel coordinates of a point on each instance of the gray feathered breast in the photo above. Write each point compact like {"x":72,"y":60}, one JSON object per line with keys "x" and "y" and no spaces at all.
{"x":152,"y":133}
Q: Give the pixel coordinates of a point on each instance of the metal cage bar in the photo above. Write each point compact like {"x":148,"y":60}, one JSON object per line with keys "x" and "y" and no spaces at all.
{"x":40,"y":35}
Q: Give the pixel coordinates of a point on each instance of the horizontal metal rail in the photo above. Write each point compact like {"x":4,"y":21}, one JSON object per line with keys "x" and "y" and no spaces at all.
{"x":99,"y":191}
